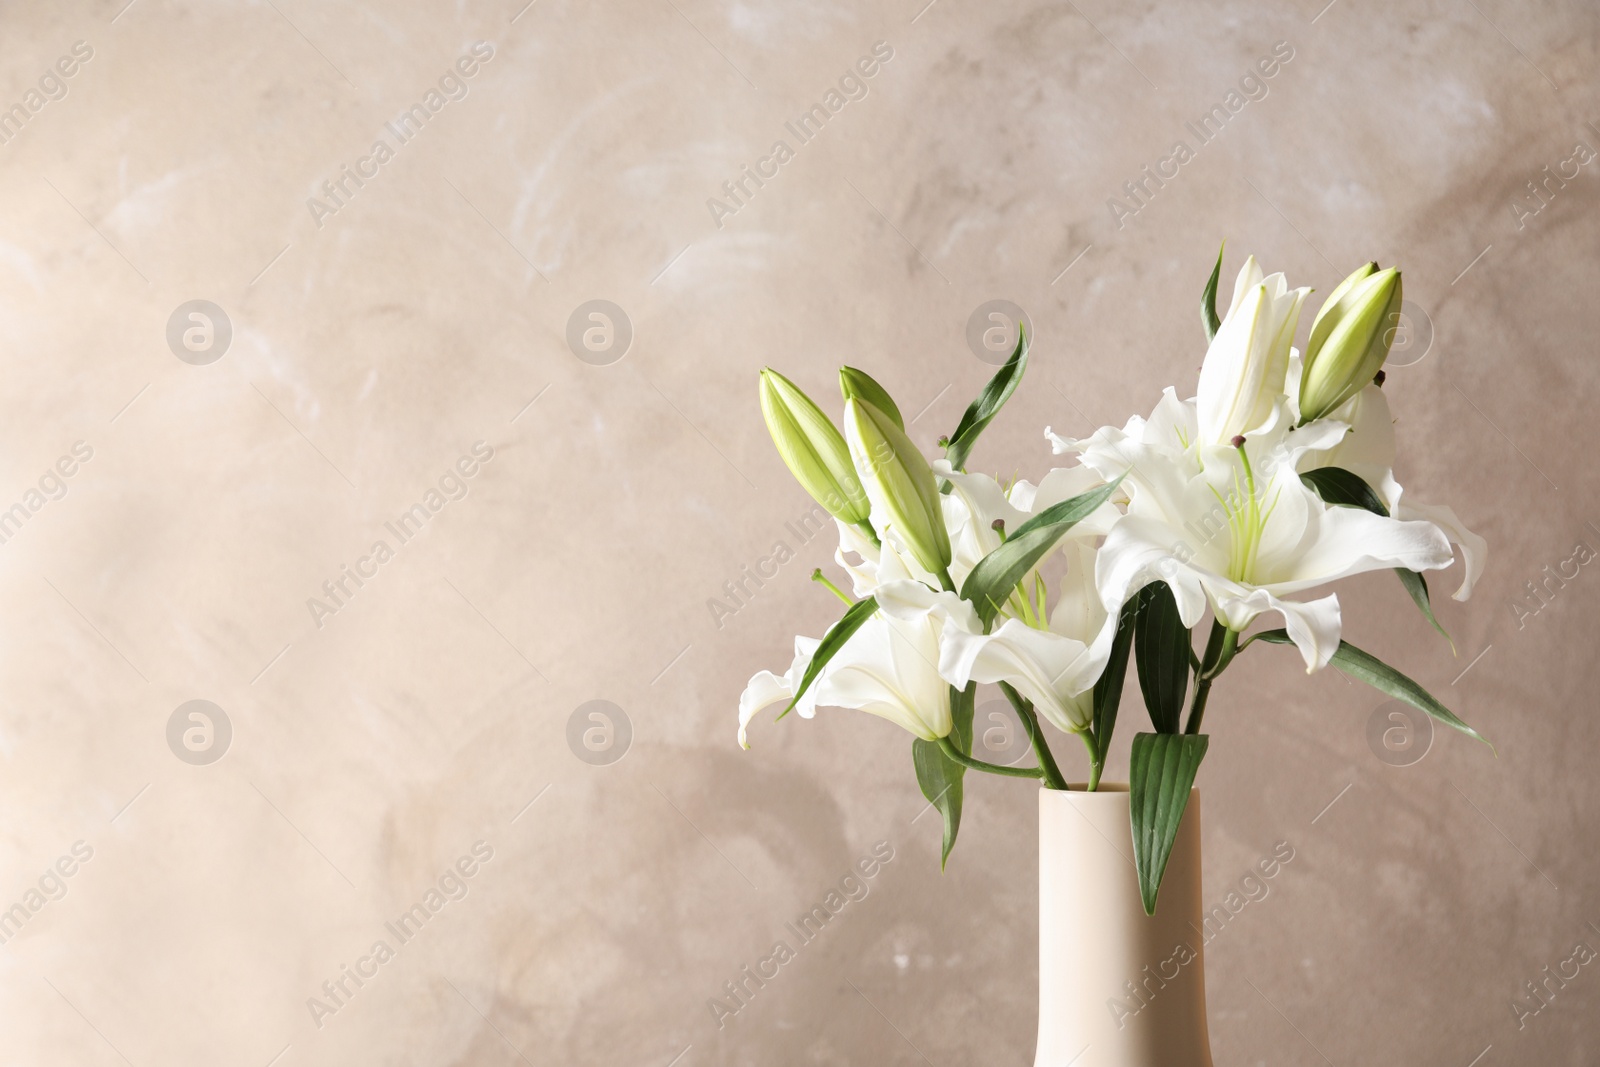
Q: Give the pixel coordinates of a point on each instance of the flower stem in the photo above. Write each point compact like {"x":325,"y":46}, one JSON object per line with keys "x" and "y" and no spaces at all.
{"x":1041,"y":749}
{"x":1095,"y":763}
{"x":955,"y":755}
{"x":1220,"y":649}
{"x":817,"y":576}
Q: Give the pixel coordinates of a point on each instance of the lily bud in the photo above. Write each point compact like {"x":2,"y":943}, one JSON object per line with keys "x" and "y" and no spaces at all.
{"x":812,"y":449}
{"x":1242,"y":378}
{"x":899,"y":481}
{"x":1350,"y":339}
{"x":858,"y":383}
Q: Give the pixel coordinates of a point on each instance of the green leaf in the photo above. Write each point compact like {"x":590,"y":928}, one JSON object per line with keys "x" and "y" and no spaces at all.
{"x":1108,"y":690}
{"x":990,"y":583}
{"x":940,"y":777}
{"x":1162,"y":651}
{"x":982,"y":410}
{"x":1365,"y":667}
{"x":1160,"y":775}
{"x":1336,"y":485}
{"x":831,"y":643}
{"x":1417,"y":586}
{"x":1339,"y":486}
{"x":1208,"y":300}
{"x":859,"y":383}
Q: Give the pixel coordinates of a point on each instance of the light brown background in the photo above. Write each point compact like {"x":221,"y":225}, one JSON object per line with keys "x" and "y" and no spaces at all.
{"x":371,"y":752}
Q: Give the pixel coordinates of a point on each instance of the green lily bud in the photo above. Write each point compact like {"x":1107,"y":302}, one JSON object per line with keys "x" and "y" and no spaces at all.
{"x":900,"y":482}
{"x":1350,"y":339}
{"x":858,"y":383}
{"x":812,"y":449}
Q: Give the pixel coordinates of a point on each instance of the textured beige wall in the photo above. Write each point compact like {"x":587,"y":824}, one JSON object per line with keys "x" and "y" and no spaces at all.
{"x":371,"y":347}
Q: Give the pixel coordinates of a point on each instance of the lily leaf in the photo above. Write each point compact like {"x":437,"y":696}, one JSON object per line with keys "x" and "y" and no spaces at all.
{"x":1162,"y":651}
{"x":1336,"y":485}
{"x":1417,"y":586}
{"x":982,"y":410}
{"x":1208,"y":300}
{"x":990,"y":583}
{"x":1160,"y":776}
{"x":939,"y":777}
{"x":1365,"y":667}
{"x":1108,"y":690}
{"x":831,"y":643}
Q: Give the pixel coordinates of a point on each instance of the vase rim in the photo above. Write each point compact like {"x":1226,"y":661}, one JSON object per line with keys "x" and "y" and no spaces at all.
{"x":1079,"y":791}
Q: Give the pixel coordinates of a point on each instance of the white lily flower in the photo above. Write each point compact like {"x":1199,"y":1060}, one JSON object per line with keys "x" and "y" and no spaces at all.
{"x":767,"y":689}
{"x":1054,"y":662}
{"x":1242,"y":543}
{"x":1241,"y":381}
{"x":890,"y":668}
{"x":1368,"y":451}
{"x":1162,"y":453}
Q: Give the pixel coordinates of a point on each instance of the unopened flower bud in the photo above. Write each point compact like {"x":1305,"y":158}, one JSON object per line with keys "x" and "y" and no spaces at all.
{"x":899,"y":481}
{"x":1350,"y":339}
{"x":812,"y":448}
{"x":858,"y":383}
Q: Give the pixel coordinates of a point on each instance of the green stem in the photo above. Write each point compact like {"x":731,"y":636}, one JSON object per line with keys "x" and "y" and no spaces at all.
{"x":946,"y":581}
{"x":817,"y":576}
{"x":1096,"y":764}
{"x":955,"y":755}
{"x":1220,"y":649}
{"x":865,"y":526}
{"x":1041,"y":749}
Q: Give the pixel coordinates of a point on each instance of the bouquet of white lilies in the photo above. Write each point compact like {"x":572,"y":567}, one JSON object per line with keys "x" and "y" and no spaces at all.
{"x":1275,"y":479}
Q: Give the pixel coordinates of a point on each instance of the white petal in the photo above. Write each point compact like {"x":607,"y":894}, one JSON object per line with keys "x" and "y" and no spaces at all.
{"x":889,"y":668}
{"x":1313,"y":625}
{"x":1139,"y":551}
{"x":1045,"y":667}
{"x":767,"y":689}
{"x":1348,"y":541}
{"x":1474,"y":549}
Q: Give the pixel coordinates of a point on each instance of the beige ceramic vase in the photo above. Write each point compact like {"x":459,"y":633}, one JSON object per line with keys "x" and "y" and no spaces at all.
{"x":1117,"y":987}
